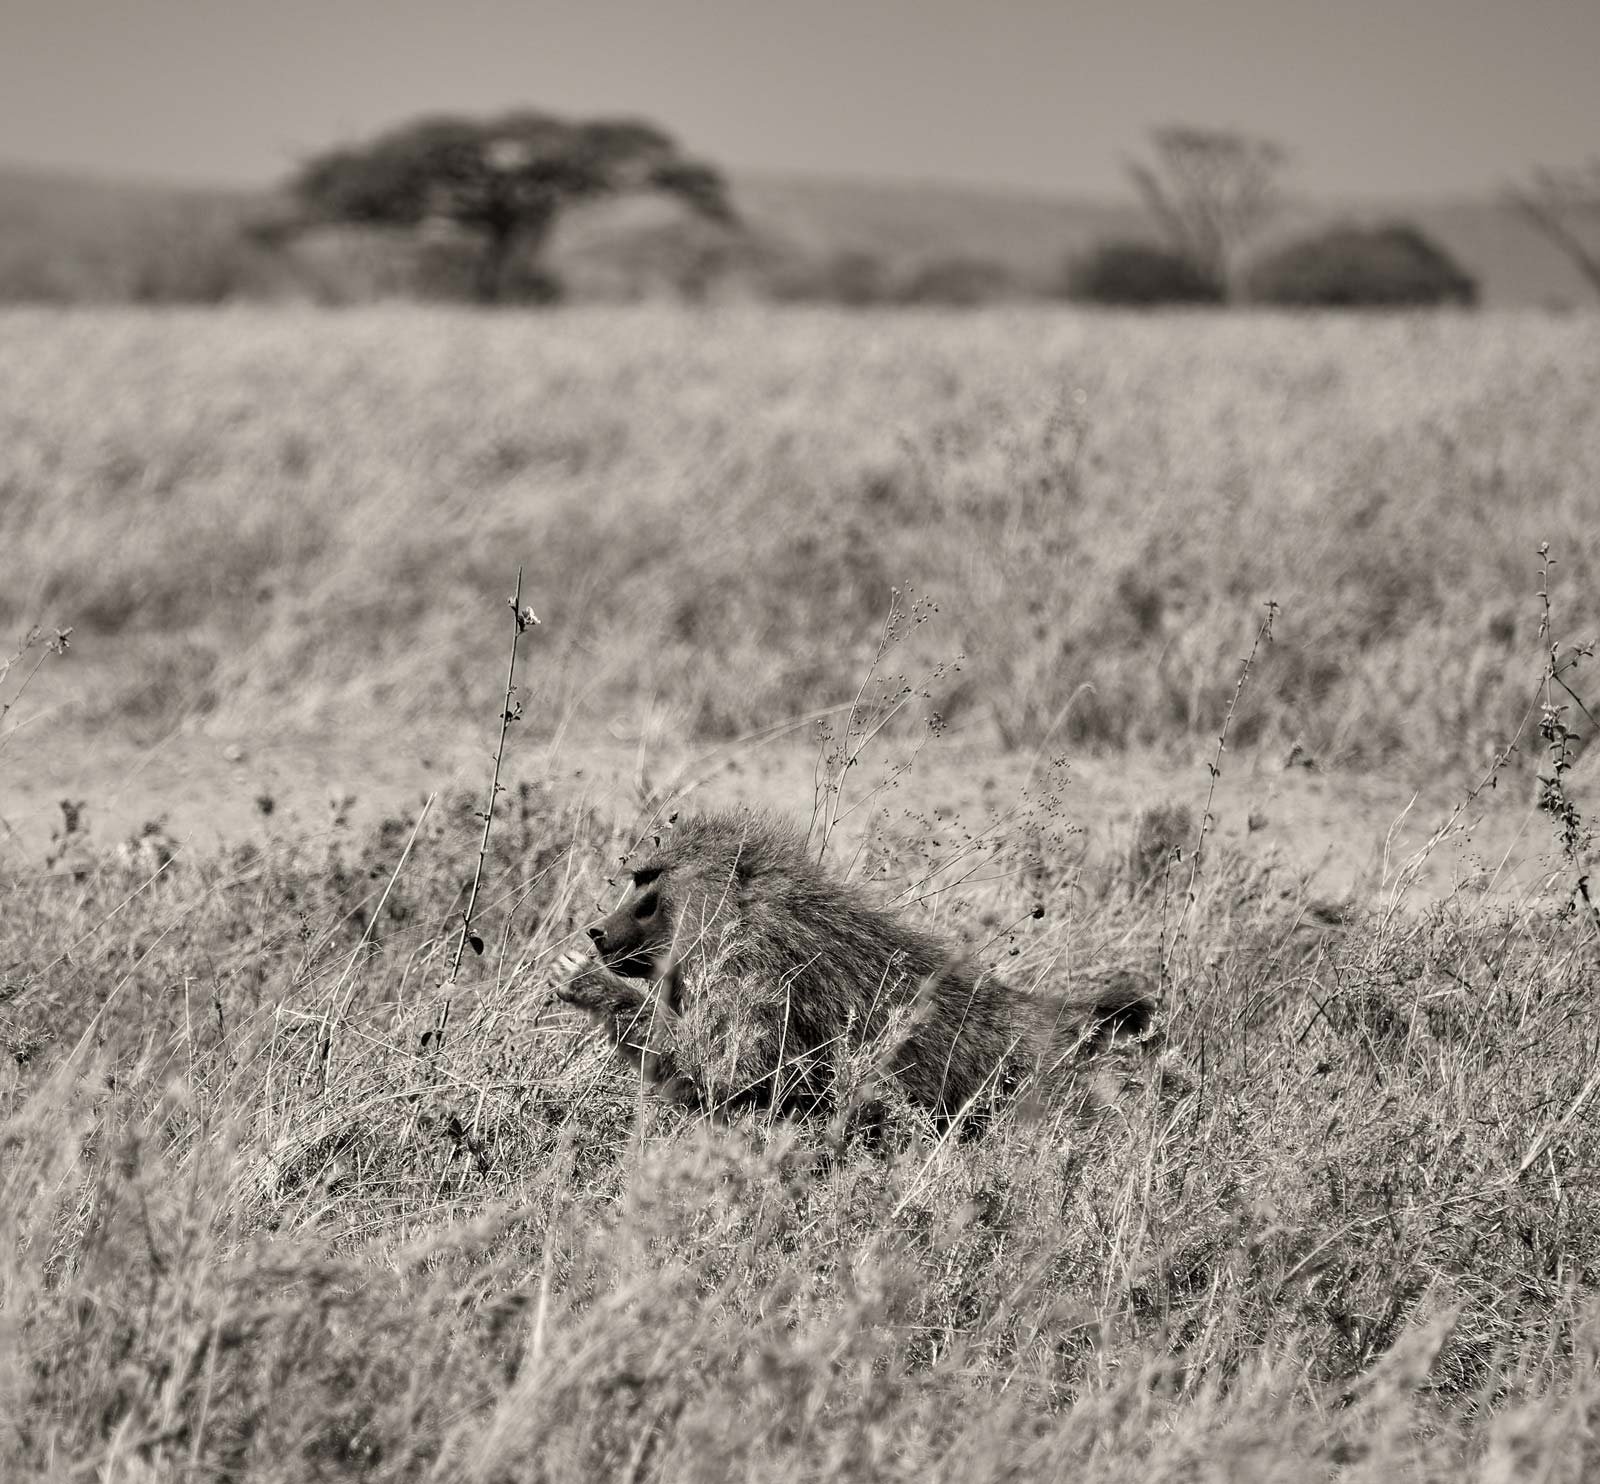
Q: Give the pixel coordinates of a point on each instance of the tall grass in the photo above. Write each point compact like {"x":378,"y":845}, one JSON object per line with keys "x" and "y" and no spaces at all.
{"x":295,"y":516}
{"x":1343,"y":1226}
{"x":257,"y":1222}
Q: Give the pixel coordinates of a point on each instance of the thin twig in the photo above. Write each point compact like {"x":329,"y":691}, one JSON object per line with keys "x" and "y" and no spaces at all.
{"x":510,"y":711}
{"x":58,"y":644}
{"x":337,"y":1006}
{"x":867,"y":718}
{"x":1573,"y":832}
{"x":826,"y":791}
{"x":1207,"y":819}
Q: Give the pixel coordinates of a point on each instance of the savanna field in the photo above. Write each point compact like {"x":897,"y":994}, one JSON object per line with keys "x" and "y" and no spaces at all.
{"x":936,"y":583}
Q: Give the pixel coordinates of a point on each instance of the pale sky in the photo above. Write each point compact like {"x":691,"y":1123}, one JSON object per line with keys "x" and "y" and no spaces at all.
{"x":1373,"y":97}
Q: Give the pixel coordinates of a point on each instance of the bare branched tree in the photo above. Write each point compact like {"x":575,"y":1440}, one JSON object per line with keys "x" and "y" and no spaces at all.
{"x":1564,"y":205}
{"x":1211,"y":190}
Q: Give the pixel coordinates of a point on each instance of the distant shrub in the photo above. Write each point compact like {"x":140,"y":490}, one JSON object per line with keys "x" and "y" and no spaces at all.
{"x":959,"y":281}
{"x":1135,"y":273}
{"x":355,"y":265}
{"x":445,"y":273}
{"x":196,"y":257}
{"x":168,"y":250}
{"x":1353,"y":266}
{"x":852,"y":277}
{"x":643,"y":248}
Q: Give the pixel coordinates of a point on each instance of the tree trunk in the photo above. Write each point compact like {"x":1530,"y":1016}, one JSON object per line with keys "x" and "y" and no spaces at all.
{"x":498,"y":240}
{"x":506,"y":239}
{"x":1546,"y":217}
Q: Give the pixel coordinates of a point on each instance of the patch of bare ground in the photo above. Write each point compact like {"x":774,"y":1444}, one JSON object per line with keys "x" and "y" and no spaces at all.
{"x":1349,"y":835}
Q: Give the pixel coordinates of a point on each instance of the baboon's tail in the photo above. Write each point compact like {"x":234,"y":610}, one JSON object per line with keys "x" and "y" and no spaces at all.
{"x":1121,"y":1006}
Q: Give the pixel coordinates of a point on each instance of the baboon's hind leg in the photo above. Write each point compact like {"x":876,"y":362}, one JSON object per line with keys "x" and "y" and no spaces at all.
{"x":638,"y":1018}
{"x":741,"y":1049}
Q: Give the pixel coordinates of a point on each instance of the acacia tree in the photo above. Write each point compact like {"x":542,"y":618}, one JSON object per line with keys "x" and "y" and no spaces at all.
{"x":1211,"y":190}
{"x":1564,"y":205}
{"x":504,"y":180}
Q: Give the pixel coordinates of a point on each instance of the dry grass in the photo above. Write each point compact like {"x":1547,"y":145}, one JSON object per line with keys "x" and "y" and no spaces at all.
{"x":1343,"y":1228}
{"x":256,"y":1224}
{"x":308,"y":513}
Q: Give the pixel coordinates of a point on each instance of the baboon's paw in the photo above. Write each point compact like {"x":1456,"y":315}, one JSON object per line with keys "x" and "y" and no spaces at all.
{"x":575,"y":981}
{"x":581,"y":982}
{"x":568,"y":968}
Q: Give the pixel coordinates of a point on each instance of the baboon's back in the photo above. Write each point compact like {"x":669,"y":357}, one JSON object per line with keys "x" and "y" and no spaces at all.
{"x":766,"y":932}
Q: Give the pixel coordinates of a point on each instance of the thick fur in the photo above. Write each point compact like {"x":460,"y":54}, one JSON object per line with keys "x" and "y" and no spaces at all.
{"x":755,"y":974}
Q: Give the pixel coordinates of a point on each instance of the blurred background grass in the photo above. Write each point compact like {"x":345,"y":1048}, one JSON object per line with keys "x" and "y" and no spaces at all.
{"x":279,"y":517}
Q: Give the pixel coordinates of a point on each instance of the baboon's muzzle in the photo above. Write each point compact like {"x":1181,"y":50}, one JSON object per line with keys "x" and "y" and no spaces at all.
{"x":623,"y":946}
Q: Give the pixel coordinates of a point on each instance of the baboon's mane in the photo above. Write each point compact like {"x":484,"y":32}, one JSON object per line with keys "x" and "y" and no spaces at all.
{"x":795,"y":908}
{"x":747,"y":843}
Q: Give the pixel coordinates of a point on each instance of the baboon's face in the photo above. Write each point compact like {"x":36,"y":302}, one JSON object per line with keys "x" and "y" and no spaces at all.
{"x":633,"y":940}
{"x":670,"y":903}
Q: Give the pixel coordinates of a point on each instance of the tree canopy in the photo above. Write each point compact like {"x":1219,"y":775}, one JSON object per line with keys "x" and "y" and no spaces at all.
{"x":504,"y":179}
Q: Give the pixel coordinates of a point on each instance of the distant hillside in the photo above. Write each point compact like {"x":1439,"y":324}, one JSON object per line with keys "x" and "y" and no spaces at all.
{"x":67,"y":238}
{"x":71,"y":238}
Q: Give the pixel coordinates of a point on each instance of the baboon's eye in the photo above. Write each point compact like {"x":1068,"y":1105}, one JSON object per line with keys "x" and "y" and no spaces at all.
{"x":645,"y":908}
{"x":645,"y":875}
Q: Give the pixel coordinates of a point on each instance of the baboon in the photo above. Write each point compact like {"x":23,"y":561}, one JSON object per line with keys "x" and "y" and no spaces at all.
{"x":737,"y":972}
